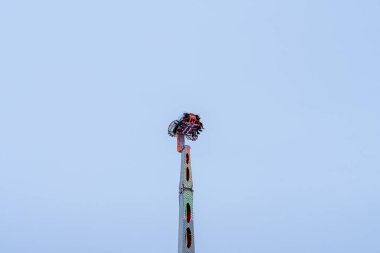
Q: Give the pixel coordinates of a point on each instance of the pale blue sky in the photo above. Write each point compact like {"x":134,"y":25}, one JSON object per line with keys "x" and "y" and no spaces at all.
{"x":288,"y":91}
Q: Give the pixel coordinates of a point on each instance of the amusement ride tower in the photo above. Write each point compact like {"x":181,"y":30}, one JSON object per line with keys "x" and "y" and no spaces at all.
{"x":188,"y":126}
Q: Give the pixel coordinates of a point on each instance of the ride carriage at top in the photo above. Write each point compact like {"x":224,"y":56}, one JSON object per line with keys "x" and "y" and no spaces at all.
{"x":188,"y":125}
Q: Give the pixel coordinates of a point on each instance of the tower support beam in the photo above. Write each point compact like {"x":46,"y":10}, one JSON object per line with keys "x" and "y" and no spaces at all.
{"x":186,"y":221}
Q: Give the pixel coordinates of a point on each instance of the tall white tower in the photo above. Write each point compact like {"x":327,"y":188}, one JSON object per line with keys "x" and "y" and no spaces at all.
{"x":186,"y":221}
{"x":188,"y":126}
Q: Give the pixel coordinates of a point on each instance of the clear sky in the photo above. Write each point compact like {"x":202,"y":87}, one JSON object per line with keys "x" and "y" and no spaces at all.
{"x":288,"y":92}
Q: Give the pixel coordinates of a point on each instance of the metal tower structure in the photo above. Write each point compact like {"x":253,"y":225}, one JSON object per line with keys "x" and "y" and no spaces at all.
{"x":186,"y":222}
{"x":190,"y":126}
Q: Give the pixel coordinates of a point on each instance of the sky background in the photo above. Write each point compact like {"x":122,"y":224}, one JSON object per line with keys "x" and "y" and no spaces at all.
{"x":289,"y":93}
